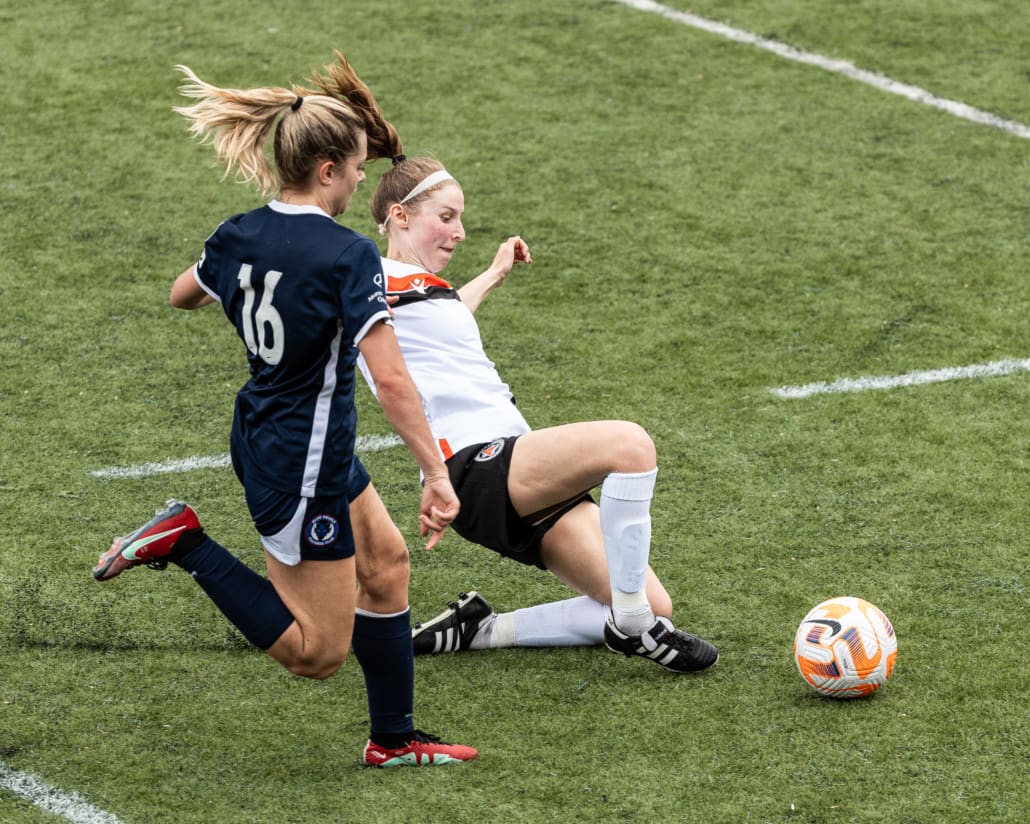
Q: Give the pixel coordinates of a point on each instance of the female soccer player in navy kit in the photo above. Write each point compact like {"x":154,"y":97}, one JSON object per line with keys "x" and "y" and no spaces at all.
{"x":522,"y":491}
{"x":305,"y":295}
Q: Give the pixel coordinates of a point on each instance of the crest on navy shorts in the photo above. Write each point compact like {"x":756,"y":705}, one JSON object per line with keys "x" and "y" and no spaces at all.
{"x":322,"y":530}
{"x":491,"y":450}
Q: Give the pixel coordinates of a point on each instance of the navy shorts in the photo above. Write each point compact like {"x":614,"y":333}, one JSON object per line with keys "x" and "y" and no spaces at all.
{"x":479,"y":475}
{"x":295,"y":529}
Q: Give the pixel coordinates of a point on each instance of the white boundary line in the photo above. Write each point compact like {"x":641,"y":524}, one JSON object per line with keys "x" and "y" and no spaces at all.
{"x":365,"y":443}
{"x":67,"y":805}
{"x":74,"y":808}
{"x":979,"y":370}
{"x":842,"y":67}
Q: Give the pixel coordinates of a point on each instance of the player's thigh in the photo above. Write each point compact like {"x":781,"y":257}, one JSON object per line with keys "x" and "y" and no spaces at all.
{"x":319,"y":594}
{"x":380,"y":552}
{"x":551,"y":465}
{"x":573,"y":550}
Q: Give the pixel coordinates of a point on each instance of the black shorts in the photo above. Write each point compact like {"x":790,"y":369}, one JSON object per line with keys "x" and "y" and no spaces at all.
{"x":479,"y":475}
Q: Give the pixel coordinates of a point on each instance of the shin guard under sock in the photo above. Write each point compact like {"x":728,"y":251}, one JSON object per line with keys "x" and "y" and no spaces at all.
{"x":626,"y":527}
{"x":382,"y":645}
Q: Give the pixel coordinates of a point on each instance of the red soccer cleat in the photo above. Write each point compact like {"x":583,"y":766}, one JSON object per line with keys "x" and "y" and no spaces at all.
{"x":151,"y":544}
{"x":422,"y":750}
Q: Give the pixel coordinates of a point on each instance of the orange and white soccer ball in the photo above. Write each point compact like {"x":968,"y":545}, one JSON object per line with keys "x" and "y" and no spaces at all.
{"x":845,"y":648}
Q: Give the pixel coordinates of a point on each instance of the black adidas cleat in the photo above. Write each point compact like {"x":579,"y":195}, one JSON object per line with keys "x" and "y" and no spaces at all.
{"x":667,"y":646}
{"x":454,"y":628}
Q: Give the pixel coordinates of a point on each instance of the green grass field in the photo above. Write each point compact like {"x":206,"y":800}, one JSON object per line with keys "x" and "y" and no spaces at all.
{"x":708,"y":221}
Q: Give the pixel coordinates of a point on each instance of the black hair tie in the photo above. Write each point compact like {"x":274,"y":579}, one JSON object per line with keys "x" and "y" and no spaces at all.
{"x":296,"y":103}
{"x":399,"y":159}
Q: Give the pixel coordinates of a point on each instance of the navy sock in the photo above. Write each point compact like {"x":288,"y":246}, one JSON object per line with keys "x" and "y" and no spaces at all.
{"x":244,"y":597}
{"x":382,"y":645}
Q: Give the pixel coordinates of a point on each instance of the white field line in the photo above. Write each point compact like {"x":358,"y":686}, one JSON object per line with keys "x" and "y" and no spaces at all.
{"x":979,"y":370}
{"x":842,"y":67}
{"x":69,"y":806}
{"x":365,"y":443}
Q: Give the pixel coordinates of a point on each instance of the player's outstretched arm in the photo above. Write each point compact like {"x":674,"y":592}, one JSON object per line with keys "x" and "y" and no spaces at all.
{"x":513,"y":250}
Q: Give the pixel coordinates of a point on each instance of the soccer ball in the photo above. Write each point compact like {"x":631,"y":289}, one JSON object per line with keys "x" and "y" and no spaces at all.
{"x":845,"y":648}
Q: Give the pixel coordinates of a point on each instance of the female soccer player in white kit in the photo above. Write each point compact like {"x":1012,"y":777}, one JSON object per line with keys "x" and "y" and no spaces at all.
{"x":523,"y":492}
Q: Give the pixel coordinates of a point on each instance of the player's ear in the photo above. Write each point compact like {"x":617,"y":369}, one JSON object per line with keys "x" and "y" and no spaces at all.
{"x":326,"y":170}
{"x":398,"y":215}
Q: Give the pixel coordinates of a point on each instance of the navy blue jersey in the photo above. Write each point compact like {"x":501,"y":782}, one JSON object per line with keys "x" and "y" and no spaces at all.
{"x":302,"y":291}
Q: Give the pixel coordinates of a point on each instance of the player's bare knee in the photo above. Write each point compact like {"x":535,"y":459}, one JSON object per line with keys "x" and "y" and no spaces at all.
{"x":388,"y":572}
{"x":657,"y":596}
{"x":636,"y":449}
{"x":661,"y":604}
{"x":319,"y":667}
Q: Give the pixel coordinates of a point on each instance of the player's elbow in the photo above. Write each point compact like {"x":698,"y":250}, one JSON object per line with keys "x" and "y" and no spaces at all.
{"x":176,"y":301}
{"x":392,"y":386}
{"x":186,"y":301}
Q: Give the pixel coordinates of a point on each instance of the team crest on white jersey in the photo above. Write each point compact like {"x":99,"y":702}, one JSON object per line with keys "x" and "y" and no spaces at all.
{"x":490,"y":451}
{"x":322,"y":530}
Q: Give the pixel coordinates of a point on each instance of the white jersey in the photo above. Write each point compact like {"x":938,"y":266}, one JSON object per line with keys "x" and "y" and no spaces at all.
{"x":464,"y":398}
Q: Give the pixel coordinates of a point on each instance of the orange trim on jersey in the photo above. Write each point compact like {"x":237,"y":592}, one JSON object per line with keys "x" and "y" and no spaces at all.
{"x":415,"y":283}
{"x":445,"y":447}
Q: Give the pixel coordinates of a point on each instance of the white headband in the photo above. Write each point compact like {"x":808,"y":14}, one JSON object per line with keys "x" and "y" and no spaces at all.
{"x":428,"y":183}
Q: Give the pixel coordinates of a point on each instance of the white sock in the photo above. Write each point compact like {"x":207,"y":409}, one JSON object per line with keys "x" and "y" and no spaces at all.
{"x":633,"y":619}
{"x":626,"y":527}
{"x":493,"y":632}
{"x":574,"y":622}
